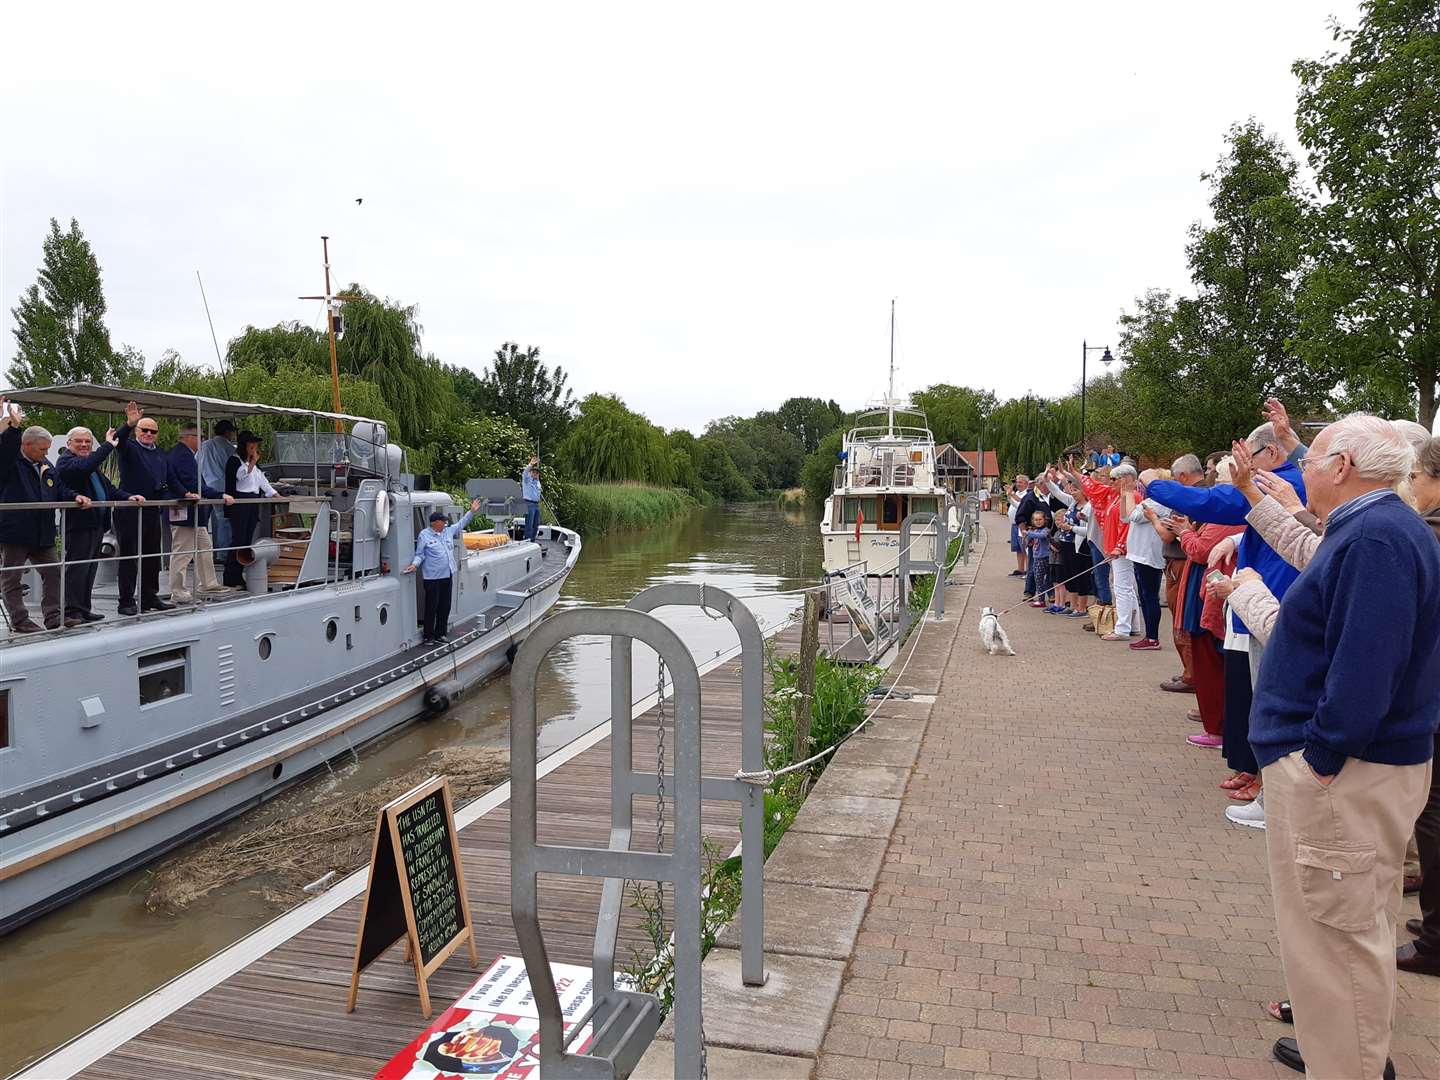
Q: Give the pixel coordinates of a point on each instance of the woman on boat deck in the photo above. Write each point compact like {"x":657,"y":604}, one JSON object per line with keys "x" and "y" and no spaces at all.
{"x":243,"y":481}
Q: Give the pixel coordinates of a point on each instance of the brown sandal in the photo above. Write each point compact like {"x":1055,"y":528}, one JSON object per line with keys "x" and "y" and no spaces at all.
{"x":1248,"y":793}
{"x":1237,"y":780}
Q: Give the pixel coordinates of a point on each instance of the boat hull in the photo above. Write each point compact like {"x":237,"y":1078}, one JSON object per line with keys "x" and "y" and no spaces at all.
{"x":48,"y":864}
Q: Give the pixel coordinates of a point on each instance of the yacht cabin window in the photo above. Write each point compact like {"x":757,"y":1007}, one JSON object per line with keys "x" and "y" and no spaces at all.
{"x":854,"y":506}
{"x":4,"y":719}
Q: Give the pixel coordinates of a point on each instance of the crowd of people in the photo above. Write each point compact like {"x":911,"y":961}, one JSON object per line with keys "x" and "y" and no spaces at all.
{"x":1303,"y":588}
{"x":168,"y":488}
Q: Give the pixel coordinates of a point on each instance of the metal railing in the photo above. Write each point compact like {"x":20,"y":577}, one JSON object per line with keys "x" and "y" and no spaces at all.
{"x":65,"y":563}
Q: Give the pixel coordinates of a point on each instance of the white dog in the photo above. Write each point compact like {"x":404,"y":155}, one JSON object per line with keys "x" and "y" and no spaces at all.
{"x":992,"y":634}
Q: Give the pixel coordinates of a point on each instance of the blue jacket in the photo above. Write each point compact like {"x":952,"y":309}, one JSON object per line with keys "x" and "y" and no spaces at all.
{"x":143,"y":472}
{"x":83,"y":476}
{"x":21,"y":481}
{"x":1223,"y":504}
{"x":184,"y":475}
{"x":1352,"y":668}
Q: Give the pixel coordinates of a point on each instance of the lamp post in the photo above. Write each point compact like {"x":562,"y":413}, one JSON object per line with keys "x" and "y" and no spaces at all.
{"x":1107,"y":360}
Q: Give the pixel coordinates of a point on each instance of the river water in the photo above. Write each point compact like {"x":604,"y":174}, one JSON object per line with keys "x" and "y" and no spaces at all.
{"x":76,"y":966}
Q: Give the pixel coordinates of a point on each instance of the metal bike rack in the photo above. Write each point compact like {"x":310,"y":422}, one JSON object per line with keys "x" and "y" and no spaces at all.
{"x":909,"y":564}
{"x":626,"y":782}
{"x":624,"y":1021}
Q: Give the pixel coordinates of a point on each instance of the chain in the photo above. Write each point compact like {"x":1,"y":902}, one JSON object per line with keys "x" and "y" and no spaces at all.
{"x":660,"y":775}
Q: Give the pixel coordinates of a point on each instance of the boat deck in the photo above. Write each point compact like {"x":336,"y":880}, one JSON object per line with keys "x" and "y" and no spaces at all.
{"x":278,"y":1013}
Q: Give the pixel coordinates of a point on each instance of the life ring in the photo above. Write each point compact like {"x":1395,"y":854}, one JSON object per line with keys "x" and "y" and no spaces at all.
{"x":382,"y":514}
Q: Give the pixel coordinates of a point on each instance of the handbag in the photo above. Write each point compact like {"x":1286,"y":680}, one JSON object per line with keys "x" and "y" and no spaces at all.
{"x":1103,"y":616}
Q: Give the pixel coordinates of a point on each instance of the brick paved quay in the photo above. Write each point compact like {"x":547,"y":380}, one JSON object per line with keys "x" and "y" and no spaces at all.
{"x":1062,"y":896}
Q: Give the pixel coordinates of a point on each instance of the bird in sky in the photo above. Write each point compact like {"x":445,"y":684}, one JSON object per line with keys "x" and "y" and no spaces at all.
{"x":359,"y":201}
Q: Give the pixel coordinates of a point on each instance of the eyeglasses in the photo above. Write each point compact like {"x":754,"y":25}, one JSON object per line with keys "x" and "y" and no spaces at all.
{"x":1308,"y":462}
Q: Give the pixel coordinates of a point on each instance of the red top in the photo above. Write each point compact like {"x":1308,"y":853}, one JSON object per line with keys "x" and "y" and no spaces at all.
{"x":1113,"y":531}
{"x":1198,"y":543}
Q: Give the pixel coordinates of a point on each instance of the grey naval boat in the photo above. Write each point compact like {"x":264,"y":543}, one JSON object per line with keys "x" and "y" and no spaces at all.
{"x":123,"y":738}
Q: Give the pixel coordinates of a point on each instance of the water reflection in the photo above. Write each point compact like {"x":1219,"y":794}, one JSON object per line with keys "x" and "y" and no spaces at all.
{"x":70,"y":969}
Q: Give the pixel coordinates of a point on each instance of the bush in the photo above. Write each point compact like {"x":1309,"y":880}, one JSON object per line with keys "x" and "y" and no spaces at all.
{"x":591,"y":509}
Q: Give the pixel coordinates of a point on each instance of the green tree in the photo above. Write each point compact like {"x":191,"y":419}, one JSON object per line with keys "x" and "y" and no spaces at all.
{"x":60,"y":333}
{"x":479,"y":447}
{"x":809,"y":420}
{"x":286,"y":344}
{"x":817,"y":476}
{"x":1199,"y":367}
{"x":518,"y":385}
{"x":1369,"y":119}
{"x":609,"y":442}
{"x":956,"y":413}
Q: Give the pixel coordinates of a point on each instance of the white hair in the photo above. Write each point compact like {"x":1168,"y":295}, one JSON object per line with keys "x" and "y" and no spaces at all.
{"x":1122,"y":470}
{"x":1261,"y":437}
{"x":1224,"y":469}
{"x":1413,"y":433}
{"x":82,"y":430}
{"x":1187,"y":463}
{"x":1376,"y":448}
{"x":35,"y":433}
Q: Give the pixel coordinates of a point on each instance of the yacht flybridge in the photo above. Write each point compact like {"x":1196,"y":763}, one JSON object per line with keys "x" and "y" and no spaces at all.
{"x":887,"y":472}
{"x":116,"y":746}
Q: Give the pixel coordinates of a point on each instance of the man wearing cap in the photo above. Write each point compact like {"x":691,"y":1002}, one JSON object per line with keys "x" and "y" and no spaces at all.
{"x":530,"y":489}
{"x":435,"y":559}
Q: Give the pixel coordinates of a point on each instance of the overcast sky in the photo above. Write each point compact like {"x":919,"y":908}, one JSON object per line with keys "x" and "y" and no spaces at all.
{"x":704,"y":210}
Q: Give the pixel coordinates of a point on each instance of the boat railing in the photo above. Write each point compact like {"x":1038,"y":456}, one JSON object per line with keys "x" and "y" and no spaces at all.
{"x":875,"y":474}
{"x":335,"y":567}
{"x":886,"y":432}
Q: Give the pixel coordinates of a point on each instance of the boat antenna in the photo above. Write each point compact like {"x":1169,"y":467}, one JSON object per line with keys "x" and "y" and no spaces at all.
{"x":224,"y":376}
{"x":332,"y":316}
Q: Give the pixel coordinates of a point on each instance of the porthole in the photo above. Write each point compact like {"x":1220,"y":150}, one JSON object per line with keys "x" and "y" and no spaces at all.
{"x":332,"y":629}
{"x":263,"y":647}
{"x":384,"y":615}
{"x":277,"y":770}
{"x":484,"y":582}
{"x":357,"y":612}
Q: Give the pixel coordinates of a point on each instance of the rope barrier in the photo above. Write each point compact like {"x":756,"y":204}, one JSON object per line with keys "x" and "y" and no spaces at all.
{"x":763,"y":778}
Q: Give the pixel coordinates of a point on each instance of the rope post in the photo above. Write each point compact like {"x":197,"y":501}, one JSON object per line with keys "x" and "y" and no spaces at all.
{"x":809,"y":647}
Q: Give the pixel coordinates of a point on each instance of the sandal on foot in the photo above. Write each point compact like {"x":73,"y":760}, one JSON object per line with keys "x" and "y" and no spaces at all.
{"x":1280,"y":1010}
{"x":1246,"y":794}
{"x":1237,"y":780}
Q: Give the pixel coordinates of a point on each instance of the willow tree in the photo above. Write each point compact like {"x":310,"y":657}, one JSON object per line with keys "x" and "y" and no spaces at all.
{"x":609,"y":442}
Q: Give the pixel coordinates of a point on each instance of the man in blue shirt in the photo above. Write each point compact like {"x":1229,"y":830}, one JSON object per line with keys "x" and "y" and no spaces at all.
{"x":530,"y":488}
{"x":435,"y":559}
{"x":1343,"y":725}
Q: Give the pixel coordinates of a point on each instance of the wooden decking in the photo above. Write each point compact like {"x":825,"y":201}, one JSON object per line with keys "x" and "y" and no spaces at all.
{"x":283,"y":1016}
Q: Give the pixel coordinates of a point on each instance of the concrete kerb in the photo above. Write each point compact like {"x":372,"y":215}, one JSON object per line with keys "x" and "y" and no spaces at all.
{"x":818,"y":883}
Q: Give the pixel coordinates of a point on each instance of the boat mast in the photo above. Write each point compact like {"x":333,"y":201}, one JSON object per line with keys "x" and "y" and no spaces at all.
{"x":890,"y":396}
{"x":331,"y":313}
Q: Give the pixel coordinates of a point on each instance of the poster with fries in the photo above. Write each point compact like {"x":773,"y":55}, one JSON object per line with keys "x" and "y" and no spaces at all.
{"x":493,"y":1030}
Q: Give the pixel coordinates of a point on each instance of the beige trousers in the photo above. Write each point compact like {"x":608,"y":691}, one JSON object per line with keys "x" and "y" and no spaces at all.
{"x":1335,"y":876}
{"x":185,"y":540}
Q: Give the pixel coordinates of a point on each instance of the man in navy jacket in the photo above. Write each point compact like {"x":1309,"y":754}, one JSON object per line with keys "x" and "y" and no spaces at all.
{"x":144,"y":470}
{"x":79,"y":465}
{"x":28,"y":536}
{"x":189,"y":534}
{"x":1343,"y":724}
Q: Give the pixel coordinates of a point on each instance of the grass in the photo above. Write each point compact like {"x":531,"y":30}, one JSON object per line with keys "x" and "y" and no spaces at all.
{"x":595,"y":508}
{"x":792,"y":498}
{"x":837,"y":708}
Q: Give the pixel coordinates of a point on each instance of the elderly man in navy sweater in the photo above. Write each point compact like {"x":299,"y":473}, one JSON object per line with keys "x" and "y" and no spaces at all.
{"x":1343,"y":723}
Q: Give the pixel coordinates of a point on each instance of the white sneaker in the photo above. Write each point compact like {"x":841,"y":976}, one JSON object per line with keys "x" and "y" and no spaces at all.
{"x":1251,"y":813}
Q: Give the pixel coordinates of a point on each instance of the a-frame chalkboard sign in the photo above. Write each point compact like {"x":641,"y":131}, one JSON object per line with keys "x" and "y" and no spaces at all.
{"x":416,"y":889}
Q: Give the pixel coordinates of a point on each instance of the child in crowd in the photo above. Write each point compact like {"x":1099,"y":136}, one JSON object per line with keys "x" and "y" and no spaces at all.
{"x":1037,"y":539}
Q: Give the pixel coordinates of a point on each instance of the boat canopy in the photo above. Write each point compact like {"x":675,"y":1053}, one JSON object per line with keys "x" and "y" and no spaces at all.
{"x":93,"y":397}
